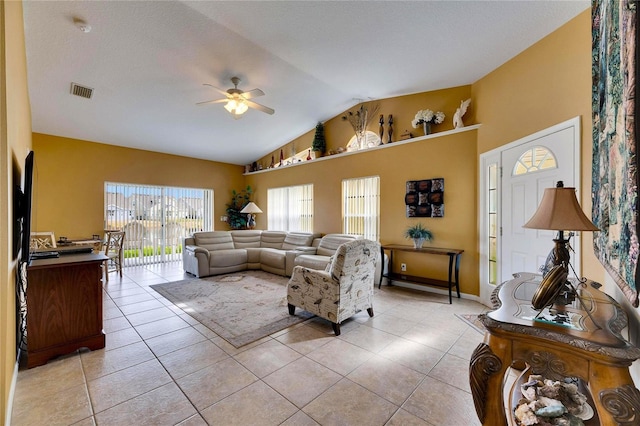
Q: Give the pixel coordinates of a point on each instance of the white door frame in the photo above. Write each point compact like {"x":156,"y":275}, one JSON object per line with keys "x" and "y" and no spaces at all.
{"x":494,"y":157}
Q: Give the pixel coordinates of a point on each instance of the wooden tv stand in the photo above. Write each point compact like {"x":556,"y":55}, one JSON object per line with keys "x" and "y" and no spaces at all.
{"x":64,"y":306}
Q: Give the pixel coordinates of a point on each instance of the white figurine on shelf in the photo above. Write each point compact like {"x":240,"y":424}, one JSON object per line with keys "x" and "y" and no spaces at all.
{"x":457,"y":117}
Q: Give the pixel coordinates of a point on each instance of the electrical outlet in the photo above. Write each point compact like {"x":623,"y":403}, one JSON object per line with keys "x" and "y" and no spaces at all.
{"x":403,"y":267}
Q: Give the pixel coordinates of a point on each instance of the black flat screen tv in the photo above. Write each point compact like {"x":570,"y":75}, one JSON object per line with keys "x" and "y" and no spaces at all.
{"x":25,"y":207}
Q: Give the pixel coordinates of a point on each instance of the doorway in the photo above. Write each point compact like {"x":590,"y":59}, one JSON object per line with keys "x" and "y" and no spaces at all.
{"x":512,"y":181}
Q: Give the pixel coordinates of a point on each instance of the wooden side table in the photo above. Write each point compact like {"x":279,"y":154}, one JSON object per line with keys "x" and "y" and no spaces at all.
{"x":454,"y":267}
{"x":588,"y":347}
{"x":64,"y":306}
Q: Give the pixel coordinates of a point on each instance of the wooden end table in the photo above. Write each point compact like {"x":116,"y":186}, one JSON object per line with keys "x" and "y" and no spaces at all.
{"x":588,"y":347}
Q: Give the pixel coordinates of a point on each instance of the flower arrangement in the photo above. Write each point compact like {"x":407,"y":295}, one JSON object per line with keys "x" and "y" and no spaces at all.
{"x":427,"y":116}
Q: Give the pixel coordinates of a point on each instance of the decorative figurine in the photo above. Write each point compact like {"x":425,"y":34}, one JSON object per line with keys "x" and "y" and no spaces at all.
{"x":381,"y":128}
{"x":390,"y":131}
{"x":457,"y":117}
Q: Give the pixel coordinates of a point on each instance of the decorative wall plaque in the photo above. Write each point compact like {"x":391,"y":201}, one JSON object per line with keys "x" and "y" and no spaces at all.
{"x":425,"y":198}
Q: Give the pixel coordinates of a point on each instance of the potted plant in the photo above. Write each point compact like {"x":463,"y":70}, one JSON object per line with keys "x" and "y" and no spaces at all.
{"x":419,"y":234}
{"x":235,"y":219}
{"x":319,"y":144}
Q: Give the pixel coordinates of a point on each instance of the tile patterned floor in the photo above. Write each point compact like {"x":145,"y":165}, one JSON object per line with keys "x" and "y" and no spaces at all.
{"x":406,"y":366}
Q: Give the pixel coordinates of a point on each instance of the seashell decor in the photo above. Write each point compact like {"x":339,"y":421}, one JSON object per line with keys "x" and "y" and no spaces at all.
{"x":551,"y":402}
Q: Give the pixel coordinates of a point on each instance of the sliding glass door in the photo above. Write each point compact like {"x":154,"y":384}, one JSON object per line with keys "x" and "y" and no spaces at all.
{"x":156,"y":219}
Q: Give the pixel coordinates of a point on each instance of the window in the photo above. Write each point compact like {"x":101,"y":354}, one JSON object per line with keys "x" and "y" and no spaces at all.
{"x":361,"y":207}
{"x":492,"y":232}
{"x":534,"y":159}
{"x":156,"y":219}
{"x":290,"y":208}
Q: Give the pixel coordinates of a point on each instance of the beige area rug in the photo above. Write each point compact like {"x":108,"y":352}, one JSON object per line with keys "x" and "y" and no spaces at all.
{"x":240,"y":307}
{"x":473,"y":321}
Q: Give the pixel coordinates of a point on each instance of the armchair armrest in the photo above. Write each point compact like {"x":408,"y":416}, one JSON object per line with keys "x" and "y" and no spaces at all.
{"x":315,"y":276}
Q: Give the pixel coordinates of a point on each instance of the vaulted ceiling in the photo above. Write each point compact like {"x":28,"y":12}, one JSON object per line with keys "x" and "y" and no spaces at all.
{"x":147,"y":61}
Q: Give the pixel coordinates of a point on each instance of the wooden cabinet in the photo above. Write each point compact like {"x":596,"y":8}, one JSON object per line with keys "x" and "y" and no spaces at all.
{"x":64,"y":306}
{"x":578,"y":340}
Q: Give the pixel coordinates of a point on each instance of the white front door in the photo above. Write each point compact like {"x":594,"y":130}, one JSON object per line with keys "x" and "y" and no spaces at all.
{"x":528,"y":165}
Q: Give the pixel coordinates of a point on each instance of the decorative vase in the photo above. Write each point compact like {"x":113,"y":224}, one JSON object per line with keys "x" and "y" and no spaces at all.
{"x":426,"y":127}
{"x":417,"y":242}
{"x":361,"y":137}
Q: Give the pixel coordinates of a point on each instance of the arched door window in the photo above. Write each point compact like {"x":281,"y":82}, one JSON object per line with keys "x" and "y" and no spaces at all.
{"x":533,"y":160}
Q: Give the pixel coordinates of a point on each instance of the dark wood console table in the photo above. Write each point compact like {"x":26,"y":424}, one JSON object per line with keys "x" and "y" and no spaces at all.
{"x":454,"y":267}
{"x":565,"y":342}
{"x":64,"y":306}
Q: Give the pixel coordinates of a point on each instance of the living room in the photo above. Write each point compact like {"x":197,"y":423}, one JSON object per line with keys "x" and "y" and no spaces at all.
{"x":546,"y":84}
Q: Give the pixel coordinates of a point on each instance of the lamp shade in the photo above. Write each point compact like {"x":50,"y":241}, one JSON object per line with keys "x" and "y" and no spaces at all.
{"x":559,"y":211}
{"x":251,"y":208}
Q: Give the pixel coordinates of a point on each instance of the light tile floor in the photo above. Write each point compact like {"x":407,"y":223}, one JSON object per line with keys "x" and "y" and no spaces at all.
{"x":408,"y":365}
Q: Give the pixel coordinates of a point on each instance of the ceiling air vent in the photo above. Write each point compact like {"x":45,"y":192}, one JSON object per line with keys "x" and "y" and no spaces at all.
{"x":82,"y":91}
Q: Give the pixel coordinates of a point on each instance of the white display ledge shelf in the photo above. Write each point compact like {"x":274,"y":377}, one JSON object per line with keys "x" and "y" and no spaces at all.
{"x":387,"y":145}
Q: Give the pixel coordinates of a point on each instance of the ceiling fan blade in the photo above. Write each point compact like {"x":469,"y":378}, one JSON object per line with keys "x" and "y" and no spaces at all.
{"x":217,"y":101}
{"x":222,"y":92}
{"x":252,"y":94}
{"x":260,"y":107}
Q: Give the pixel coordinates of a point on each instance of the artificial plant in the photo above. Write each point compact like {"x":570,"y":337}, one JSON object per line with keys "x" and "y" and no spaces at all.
{"x":235,"y":219}
{"x":319,"y":144}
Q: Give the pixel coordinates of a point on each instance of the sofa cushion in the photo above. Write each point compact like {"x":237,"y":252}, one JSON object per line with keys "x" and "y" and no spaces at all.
{"x":272,"y":257}
{"x":224,"y":258}
{"x":272,"y":239}
{"x":214,"y":240}
{"x":330,"y":243}
{"x":298,"y":239}
{"x":246,"y":238}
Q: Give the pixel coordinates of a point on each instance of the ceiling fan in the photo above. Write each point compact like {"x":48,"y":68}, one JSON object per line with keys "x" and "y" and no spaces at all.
{"x":238,"y":101}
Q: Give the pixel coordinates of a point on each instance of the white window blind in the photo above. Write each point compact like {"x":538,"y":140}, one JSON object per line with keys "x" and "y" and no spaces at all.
{"x":361,"y":207}
{"x":156,"y":219}
{"x":290,"y":208}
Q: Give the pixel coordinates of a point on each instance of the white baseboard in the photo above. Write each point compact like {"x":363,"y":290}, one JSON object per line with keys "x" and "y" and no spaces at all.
{"x":12,"y":391}
{"x":436,"y":290}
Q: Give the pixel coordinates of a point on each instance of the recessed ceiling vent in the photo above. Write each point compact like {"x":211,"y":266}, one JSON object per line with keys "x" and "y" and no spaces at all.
{"x":82,"y":91}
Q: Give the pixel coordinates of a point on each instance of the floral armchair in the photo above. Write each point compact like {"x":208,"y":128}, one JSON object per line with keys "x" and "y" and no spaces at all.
{"x":340,"y":291}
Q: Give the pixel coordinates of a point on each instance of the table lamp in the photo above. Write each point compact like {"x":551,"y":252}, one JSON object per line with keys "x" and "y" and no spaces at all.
{"x":558,"y":211}
{"x":251,"y":209}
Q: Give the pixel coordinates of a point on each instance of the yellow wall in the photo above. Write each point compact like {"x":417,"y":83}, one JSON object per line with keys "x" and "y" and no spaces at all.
{"x":452,"y":157}
{"x":15,"y":142}
{"x":70,"y":177}
{"x":338,"y":132}
{"x":545,"y":85}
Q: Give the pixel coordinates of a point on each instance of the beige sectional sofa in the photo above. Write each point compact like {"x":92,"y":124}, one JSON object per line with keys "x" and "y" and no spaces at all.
{"x":222,"y":252}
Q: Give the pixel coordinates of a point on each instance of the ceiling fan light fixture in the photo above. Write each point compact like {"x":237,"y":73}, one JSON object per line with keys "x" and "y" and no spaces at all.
{"x":236,"y":106}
